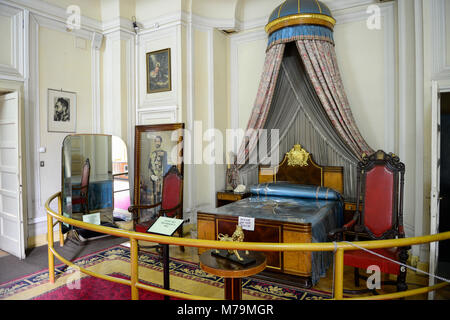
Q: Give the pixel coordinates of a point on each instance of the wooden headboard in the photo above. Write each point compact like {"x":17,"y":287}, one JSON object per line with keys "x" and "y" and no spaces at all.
{"x":298,"y":166}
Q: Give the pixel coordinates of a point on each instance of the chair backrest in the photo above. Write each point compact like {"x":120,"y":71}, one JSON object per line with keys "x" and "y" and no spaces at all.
{"x":172,"y":191}
{"x":380,"y":188}
{"x":85,"y":173}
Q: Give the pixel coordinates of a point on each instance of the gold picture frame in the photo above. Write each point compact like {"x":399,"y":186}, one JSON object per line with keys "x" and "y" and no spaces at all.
{"x":157,"y":148}
{"x":159,"y":77}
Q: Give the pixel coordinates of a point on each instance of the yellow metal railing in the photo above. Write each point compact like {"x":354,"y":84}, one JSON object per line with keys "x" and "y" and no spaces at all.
{"x":338,"y":247}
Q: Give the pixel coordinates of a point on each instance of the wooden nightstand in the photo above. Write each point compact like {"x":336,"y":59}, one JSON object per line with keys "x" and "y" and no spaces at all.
{"x":349,"y":210}
{"x":226,"y":197}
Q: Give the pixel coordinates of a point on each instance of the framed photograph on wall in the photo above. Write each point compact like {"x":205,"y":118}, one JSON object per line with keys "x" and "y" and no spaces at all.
{"x":158,"y":71}
{"x":61,"y":111}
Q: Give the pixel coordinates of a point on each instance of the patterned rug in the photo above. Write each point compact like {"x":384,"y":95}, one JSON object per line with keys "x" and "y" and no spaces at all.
{"x":186,"y":277}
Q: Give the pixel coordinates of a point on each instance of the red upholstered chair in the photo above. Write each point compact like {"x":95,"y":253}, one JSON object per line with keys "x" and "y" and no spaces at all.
{"x":380,"y":184}
{"x":83,"y":198}
{"x":171,"y":204}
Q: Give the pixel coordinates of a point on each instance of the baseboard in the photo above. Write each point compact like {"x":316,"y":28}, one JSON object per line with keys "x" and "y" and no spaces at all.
{"x":423,"y":266}
{"x":41,"y":239}
{"x":414,"y":261}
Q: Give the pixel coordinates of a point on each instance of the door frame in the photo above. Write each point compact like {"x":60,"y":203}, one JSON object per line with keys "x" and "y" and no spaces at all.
{"x":438,"y":87}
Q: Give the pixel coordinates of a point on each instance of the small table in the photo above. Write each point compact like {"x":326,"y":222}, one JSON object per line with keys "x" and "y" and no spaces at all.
{"x":226,"y":197}
{"x":232,"y":272}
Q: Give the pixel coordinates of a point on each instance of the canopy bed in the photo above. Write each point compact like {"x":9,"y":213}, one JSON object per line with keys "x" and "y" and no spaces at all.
{"x":301,"y":94}
{"x":295,"y":201}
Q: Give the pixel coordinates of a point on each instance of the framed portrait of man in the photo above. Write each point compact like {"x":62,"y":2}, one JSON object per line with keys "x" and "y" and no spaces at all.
{"x":157,"y":149}
{"x":61,"y":111}
{"x":158,"y":71}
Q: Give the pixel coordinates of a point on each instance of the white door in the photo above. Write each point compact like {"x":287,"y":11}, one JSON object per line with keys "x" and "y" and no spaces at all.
{"x":11,"y":210}
{"x":435,"y":180}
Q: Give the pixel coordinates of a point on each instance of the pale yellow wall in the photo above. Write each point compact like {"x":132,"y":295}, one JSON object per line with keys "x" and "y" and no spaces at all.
{"x":186,"y":5}
{"x":201,"y":78}
{"x":127,"y":8}
{"x":360,"y":54}
{"x":111,"y":9}
{"x":147,"y":10}
{"x":251,"y":57}
{"x":62,"y":66}
{"x":5,"y":40}
{"x":256,"y":9}
{"x":221,"y":99}
{"x":214,"y":9}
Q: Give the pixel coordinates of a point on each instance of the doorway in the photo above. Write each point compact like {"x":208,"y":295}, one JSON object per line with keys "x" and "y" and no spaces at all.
{"x":12,"y":239}
{"x":443,"y":268}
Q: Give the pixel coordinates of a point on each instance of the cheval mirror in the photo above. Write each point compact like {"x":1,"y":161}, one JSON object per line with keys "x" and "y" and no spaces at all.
{"x":95,"y":186}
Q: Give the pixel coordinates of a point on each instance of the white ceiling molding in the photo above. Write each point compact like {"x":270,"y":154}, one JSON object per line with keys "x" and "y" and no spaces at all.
{"x":118,"y":24}
{"x":42,"y":8}
{"x":58,"y":25}
{"x":45,"y":9}
{"x":53,"y":12}
{"x":336,"y":5}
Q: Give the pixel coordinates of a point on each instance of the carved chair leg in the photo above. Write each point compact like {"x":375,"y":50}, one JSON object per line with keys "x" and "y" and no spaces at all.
{"x":401,"y":278}
{"x":180,"y":234}
{"x":356,"y":274}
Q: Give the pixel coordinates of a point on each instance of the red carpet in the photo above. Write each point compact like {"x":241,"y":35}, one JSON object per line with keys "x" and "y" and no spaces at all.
{"x":91,"y":288}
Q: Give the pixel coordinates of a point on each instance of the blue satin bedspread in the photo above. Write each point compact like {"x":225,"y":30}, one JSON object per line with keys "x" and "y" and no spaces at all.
{"x":319,"y":206}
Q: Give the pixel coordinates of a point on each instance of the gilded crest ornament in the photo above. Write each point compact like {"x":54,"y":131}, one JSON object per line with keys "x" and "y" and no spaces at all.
{"x":298,"y":156}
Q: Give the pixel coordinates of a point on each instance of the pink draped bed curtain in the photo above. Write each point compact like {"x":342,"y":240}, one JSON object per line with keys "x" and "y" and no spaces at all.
{"x":320,"y":63}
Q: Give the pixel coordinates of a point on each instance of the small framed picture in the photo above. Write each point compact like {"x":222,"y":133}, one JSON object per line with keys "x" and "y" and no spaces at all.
{"x":62,"y":111}
{"x":158,"y":71}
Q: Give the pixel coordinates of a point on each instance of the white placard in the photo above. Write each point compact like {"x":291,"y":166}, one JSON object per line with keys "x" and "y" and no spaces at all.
{"x":247,"y":223}
{"x":165,"y":226}
{"x":93,"y":218}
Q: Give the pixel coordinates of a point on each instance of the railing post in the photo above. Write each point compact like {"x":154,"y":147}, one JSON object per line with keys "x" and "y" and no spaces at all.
{"x":51,"y":258}
{"x":61,"y":236}
{"x":339,"y":275}
{"x":134,"y":268}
